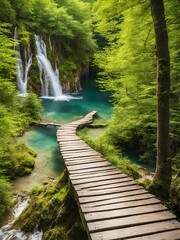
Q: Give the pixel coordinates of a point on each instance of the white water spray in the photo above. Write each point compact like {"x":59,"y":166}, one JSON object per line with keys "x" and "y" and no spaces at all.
{"x":6,"y":233}
{"x":22,"y":75}
{"x":49,"y":78}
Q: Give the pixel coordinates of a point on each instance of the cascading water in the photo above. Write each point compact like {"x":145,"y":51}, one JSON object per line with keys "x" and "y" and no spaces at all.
{"x":50,"y":83}
{"x":7,"y":233}
{"x":22,"y":76}
{"x":49,"y":78}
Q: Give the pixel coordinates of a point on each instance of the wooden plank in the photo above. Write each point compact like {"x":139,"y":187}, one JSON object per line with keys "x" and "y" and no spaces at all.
{"x":74,"y":152}
{"x":75,"y":148}
{"x":76,"y":155}
{"x":68,"y":137}
{"x":100,"y":183}
{"x":91,"y":170}
{"x":86,"y":161}
{"x":73,"y":143}
{"x":115,"y":200}
{"x":130,"y":221}
{"x":136,"y":231}
{"x":124,"y":212}
{"x":91,"y":165}
{"x":120,"y":184}
{"x":97,"y":179}
{"x":96,"y":174}
{"x":111,"y":196}
{"x":120,"y":205}
{"x":82,"y":153}
{"x":66,"y":131}
{"x":113,"y":185}
{"x":86,"y":192}
{"x":170,"y":235}
{"x":75,"y":139}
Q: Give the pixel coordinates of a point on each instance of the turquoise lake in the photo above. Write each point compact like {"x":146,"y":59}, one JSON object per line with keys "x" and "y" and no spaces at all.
{"x":42,"y":140}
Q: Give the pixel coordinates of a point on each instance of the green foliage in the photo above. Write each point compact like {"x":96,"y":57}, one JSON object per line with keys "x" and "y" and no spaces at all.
{"x":7,"y":59}
{"x":32,"y":107}
{"x":5,"y":195}
{"x":16,"y":159}
{"x":128,"y":66}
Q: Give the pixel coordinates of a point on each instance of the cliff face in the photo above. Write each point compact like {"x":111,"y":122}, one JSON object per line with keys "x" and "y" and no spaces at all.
{"x":64,"y":66}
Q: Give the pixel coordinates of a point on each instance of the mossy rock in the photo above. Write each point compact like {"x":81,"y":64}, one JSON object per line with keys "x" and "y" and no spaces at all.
{"x":55,"y":211}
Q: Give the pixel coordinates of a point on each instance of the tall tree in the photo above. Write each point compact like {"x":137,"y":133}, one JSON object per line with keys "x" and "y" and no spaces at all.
{"x":162,"y":179}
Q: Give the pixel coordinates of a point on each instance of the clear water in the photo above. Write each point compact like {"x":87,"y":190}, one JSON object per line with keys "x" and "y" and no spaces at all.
{"x":42,"y":140}
{"x":48,"y":161}
{"x":89,"y":99}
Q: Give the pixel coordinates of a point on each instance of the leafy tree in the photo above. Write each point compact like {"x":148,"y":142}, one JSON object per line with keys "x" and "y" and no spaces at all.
{"x":5,"y":195}
{"x":15,"y":159}
{"x":31,"y":106}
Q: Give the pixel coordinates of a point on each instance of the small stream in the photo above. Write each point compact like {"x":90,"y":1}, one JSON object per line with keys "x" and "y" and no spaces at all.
{"x":7,"y":233}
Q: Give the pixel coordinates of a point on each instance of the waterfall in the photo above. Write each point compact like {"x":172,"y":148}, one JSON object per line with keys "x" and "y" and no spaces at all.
{"x":6,"y":232}
{"x":22,"y":75}
{"x":49,"y":78}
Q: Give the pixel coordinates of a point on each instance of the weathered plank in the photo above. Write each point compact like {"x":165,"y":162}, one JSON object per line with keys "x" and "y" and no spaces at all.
{"x":129,"y":221}
{"x":90,"y":170}
{"x":81,"y":154}
{"x":96,"y":174}
{"x":117,"y":200}
{"x":100,"y":183}
{"x":91,"y":165}
{"x":102,"y":188}
{"x":124,"y":212}
{"x":83,"y":158}
{"x":77,"y":152}
{"x":128,"y":182}
{"x":86,"y":161}
{"x":119,"y":205}
{"x":166,"y":235}
{"x":111,"y":196}
{"x":85,"y":192}
{"x":100,"y":178}
{"x":75,"y":148}
{"x":135,"y":231}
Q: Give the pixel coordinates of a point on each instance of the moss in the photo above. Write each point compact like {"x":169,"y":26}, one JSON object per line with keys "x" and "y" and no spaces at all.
{"x":54,"y":210}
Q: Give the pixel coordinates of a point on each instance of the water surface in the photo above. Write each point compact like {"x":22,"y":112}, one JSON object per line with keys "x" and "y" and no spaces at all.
{"x":42,"y":140}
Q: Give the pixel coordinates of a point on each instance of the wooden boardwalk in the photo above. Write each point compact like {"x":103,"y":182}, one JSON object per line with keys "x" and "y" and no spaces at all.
{"x":111,"y":204}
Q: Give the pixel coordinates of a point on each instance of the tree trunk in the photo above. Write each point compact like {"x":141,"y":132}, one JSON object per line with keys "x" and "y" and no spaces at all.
{"x":162,"y":179}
